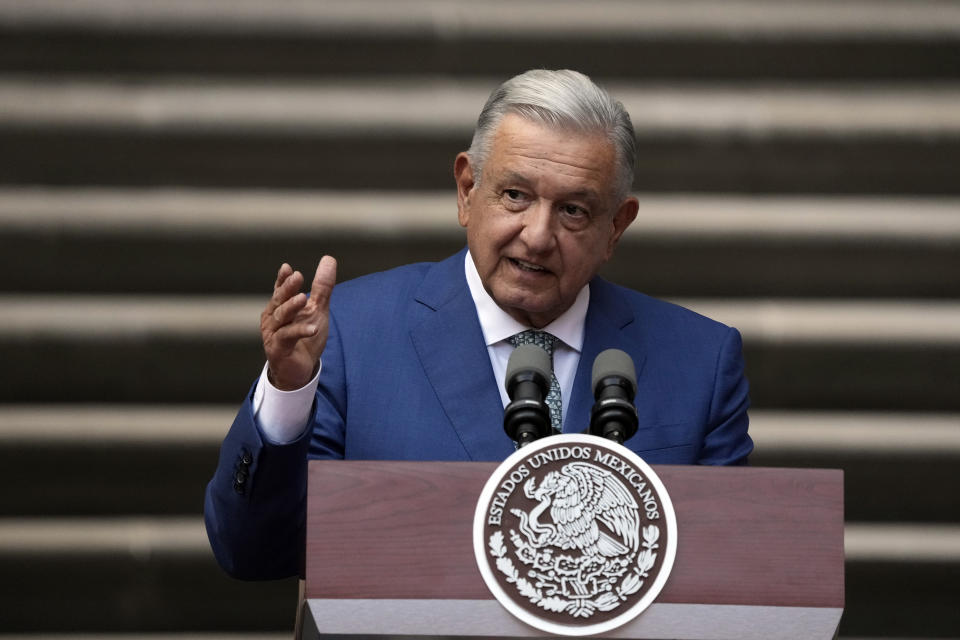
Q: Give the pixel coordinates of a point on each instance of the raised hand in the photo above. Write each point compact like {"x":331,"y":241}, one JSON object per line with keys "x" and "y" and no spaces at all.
{"x":294,"y":327}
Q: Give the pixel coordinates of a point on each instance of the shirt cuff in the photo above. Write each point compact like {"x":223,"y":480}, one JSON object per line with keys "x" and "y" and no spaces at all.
{"x":282,"y":416}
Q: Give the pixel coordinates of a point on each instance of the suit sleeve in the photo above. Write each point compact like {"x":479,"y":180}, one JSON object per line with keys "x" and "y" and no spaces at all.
{"x":255,"y":505}
{"x":726,"y":441}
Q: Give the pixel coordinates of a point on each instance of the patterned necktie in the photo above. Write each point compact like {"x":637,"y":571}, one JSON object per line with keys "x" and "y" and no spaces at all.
{"x":545,"y":341}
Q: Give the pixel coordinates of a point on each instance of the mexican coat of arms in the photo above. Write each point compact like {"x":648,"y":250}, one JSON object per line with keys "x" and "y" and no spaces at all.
{"x":574,"y":534}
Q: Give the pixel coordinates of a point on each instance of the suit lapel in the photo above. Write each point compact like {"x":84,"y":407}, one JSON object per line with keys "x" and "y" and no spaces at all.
{"x":449,"y":342}
{"x":603,"y":329}
{"x":450,"y":345}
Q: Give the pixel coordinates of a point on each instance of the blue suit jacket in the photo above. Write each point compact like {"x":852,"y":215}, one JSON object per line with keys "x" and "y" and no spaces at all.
{"x":406,"y":376}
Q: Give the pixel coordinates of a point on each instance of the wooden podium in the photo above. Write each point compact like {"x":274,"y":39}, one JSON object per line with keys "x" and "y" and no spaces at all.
{"x":389,"y":552}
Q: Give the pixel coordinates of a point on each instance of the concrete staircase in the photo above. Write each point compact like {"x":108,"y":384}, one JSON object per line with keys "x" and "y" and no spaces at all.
{"x":798,"y":179}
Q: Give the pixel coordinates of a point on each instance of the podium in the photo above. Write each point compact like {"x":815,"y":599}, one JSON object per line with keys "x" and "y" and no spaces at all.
{"x":389,"y":552}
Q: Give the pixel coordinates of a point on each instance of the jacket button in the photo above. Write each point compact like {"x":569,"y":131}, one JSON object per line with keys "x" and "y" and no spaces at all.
{"x":245,"y":458}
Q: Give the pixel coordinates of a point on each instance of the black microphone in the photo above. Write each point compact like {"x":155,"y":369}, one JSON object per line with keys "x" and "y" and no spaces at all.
{"x":614,"y":383}
{"x":527,"y":417}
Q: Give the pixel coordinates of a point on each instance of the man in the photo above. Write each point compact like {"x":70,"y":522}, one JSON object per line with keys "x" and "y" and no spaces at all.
{"x":413,"y":360}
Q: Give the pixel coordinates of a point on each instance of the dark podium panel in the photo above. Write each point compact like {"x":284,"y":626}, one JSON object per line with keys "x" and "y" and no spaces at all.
{"x":390,"y":553}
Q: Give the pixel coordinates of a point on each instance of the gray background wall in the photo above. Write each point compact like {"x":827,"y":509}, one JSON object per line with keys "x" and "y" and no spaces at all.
{"x":798,"y":179}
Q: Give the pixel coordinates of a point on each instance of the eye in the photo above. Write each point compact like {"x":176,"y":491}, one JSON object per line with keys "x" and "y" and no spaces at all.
{"x":514,"y":199}
{"x":574,"y":215}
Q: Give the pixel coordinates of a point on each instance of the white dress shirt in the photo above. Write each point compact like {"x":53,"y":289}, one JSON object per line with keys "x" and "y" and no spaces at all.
{"x":498,"y":326}
{"x":283,"y":415}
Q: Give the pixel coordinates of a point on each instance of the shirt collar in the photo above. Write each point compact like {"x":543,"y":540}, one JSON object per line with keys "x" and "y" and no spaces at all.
{"x":498,"y":325}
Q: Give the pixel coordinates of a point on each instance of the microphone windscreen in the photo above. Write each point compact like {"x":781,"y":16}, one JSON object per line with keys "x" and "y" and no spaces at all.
{"x":613,"y":362}
{"x":527,"y":357}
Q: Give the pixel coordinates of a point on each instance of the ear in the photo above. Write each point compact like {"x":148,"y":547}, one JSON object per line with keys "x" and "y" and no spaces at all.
{"x":625,"y":215}
{"x":463,"y":174}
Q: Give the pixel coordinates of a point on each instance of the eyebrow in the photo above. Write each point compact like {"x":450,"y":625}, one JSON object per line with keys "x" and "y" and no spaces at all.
{"x":588,"y":194}
{"x":513,"y":176}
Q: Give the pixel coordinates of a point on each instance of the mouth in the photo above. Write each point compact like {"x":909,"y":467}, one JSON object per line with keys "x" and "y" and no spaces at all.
{"x":529,"y":267}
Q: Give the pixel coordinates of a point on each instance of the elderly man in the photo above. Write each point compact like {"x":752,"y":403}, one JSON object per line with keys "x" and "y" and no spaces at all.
{"x":410,"y":364}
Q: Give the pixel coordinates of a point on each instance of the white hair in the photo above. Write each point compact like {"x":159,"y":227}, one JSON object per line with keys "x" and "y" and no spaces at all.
{"x":563,"y":99}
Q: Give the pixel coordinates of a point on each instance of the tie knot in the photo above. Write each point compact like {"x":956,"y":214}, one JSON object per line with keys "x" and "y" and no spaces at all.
{"x":542,"y":339}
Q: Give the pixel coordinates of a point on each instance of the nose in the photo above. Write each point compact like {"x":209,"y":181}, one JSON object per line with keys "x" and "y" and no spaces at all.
{"x":537,"y":231}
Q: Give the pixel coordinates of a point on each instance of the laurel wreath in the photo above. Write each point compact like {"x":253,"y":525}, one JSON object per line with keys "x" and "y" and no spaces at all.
{"x":645,"y":561}
{"x":605,"y":602}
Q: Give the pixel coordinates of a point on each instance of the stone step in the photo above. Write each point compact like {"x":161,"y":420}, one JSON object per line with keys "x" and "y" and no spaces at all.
{"x":190,"y":635}
{"x":866,"y":355}
{"x":693,"y":39}
{"x":159,"y":575}
{"x":187,"y":241}
{"x":746,"y":137}
{"x":156,"y":460}
{"x":898,"y":580}
{"x":175,"y":635}
{"x":896,"y":466}
{"x":125,"y":575}
{"x":81,"y":460}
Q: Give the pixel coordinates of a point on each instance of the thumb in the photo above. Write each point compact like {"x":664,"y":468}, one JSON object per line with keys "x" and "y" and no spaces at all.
{"x":323,"y":281}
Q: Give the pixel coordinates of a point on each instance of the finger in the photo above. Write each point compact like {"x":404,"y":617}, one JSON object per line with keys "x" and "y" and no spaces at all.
{"x":286,"y":312}
{"x":323,"y":281}
{"x":288,"y":285}
{"x":286,"y":337}
{"x":284,"y":272}
{"x":288,"y":288}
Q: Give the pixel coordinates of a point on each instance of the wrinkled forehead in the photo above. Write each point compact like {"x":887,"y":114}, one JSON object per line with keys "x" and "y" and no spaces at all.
{"x":551,"y":127}
{"x":571,"y":163}
{"x":553,"y":123}
{"x":515,"y":130}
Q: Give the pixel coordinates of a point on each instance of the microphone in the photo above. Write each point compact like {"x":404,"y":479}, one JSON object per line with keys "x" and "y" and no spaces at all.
{"x":527,"y":418}
{"x":614,"y":383}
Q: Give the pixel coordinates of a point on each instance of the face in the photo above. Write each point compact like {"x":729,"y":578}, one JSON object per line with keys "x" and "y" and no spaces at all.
{"x":542,"y":218}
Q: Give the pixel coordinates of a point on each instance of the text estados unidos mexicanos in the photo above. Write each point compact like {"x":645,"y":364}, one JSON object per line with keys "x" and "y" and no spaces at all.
{"x":522,"y":472}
